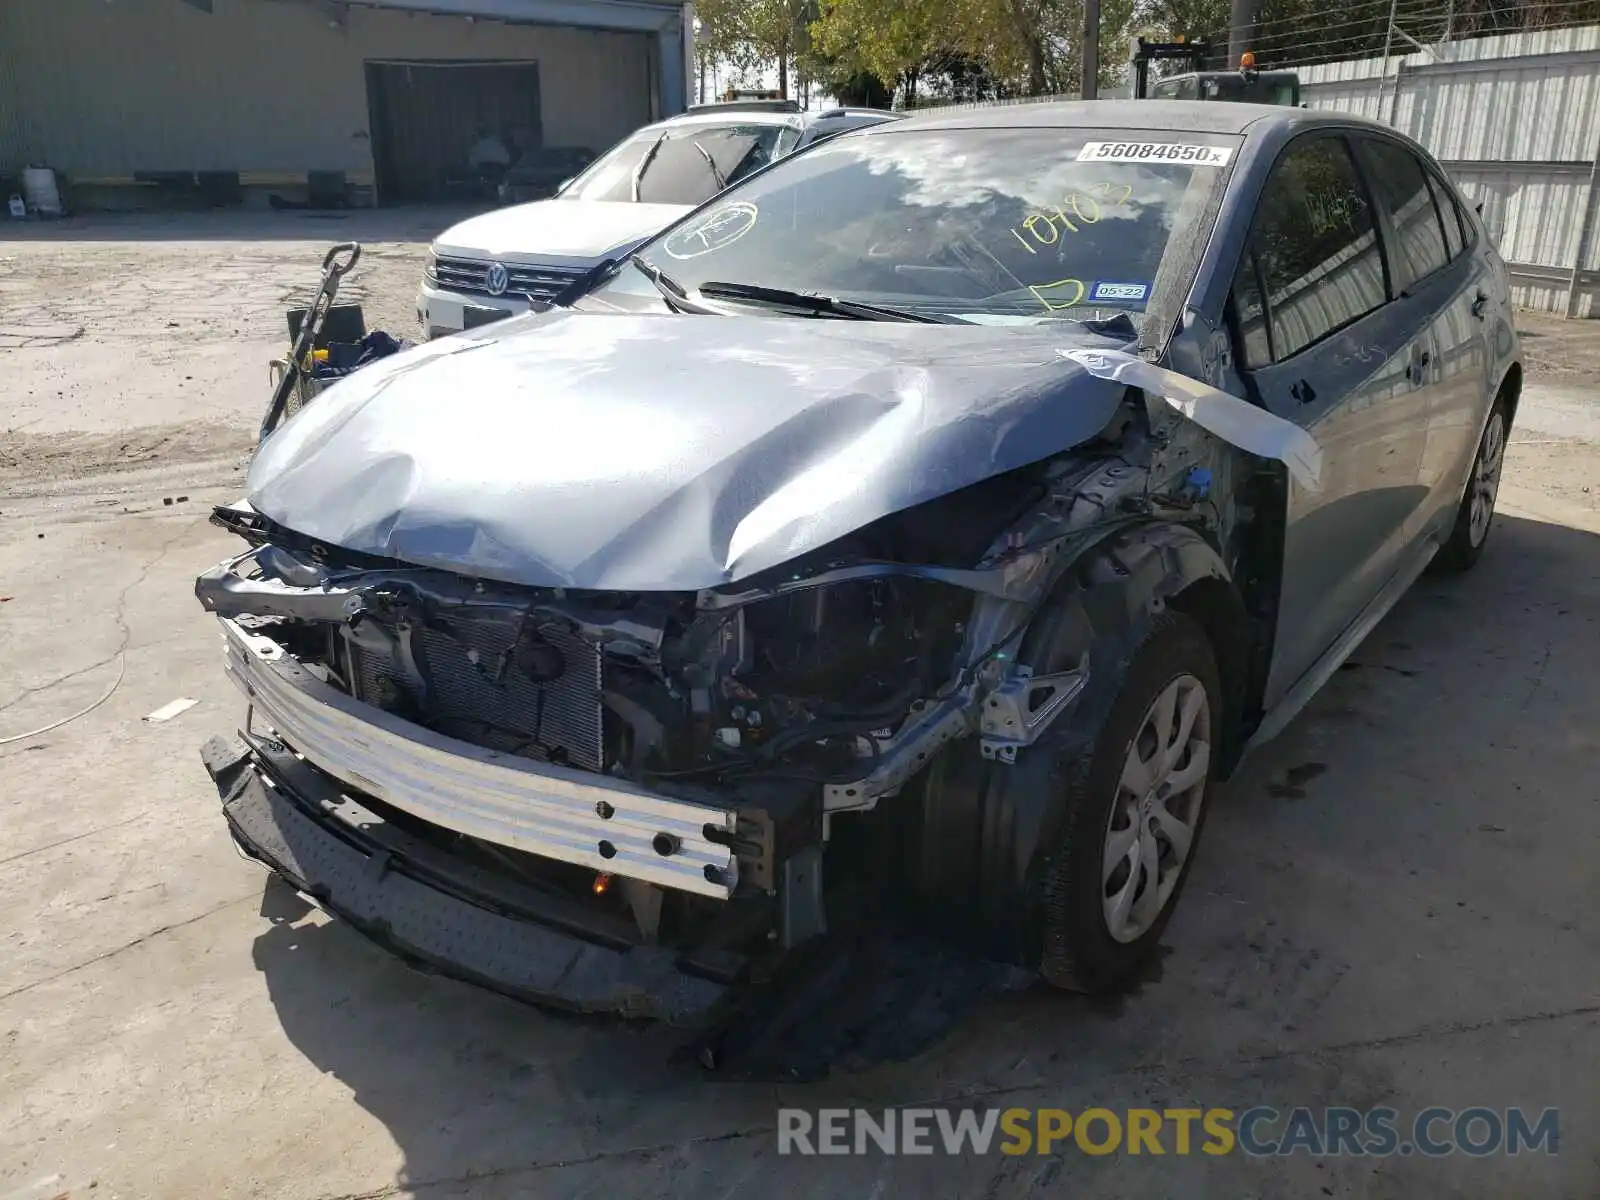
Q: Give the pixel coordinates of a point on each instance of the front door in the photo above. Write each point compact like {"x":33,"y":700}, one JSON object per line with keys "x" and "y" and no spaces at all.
{"x":1325,"y":347}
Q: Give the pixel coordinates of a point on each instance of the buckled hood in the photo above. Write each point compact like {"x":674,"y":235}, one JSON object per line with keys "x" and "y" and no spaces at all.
{"x":666,"y":452}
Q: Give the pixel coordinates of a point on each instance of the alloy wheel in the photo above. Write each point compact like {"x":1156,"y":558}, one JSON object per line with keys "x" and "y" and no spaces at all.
{"x":1157,"y":808}
{"x":1485,"y":483}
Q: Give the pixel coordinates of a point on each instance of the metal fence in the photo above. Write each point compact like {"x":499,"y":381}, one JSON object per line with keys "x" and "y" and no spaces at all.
{"x":1515,"y":119}
{"x":933,"y":104}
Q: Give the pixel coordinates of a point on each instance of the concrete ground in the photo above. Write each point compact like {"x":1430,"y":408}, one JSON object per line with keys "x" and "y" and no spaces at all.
{"x":1392,"y":906}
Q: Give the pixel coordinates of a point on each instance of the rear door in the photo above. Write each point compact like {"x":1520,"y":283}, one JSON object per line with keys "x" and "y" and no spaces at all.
{"x":1436,"y":284}
{"x":1469,"y":352}
{"x":1324,"y":347}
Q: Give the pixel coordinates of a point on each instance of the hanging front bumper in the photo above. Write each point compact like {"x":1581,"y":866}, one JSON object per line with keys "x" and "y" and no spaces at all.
{"x":439,"y":912}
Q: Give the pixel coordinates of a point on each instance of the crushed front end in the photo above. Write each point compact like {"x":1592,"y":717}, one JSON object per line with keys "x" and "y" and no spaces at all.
{"x":602,"y":801}
{"x":650,"y":802}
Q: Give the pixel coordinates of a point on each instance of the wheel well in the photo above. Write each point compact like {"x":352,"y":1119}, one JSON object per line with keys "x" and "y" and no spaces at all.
{"x":1511,"y":389}
{"x":1217,"y":608}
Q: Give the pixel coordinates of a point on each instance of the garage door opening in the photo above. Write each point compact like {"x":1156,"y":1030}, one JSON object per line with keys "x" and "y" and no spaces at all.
{"x":427,"y":115}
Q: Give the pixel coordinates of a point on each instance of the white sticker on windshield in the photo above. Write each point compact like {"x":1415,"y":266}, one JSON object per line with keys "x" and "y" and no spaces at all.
{"x":1168,"y":152}
{"x":1106,"y":290}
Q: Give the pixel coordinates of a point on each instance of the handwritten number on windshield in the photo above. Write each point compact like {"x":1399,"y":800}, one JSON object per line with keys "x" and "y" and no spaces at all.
{"x":1125,"y":188}
{"x":1045,"y":228}
{"x":1037,"y":225}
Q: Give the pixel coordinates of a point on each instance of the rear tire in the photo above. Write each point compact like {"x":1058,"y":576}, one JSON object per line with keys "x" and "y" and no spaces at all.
{"x":1475,"y":514}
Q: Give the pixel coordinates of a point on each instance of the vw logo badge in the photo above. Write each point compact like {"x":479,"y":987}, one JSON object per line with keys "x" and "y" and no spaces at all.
{"x":497,"y":279}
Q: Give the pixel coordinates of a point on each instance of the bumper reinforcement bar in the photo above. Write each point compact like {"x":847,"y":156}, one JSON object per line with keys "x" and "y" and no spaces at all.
{"x":558,"y":812}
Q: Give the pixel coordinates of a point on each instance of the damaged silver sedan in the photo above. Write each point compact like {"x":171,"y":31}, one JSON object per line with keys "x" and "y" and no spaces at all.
{"x":924,"y":525}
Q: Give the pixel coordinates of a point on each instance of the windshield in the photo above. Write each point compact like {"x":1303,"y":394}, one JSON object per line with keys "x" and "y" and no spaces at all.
{"x":686,"y":164}
{"x":1229,"y":85}
{"x":980,"y":224}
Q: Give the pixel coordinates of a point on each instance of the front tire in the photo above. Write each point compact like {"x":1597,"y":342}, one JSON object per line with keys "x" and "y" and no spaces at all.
{"x":1132,"y":813}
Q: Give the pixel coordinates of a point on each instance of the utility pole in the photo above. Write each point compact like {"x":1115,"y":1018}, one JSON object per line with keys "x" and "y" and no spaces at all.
{"x":1241,"y":29}
{"x":1383,"y":74}
{"x":1089,"y":89}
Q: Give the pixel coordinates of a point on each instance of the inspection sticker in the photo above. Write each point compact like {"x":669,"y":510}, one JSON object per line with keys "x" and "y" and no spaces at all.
{"x":1168,"y":152}
{"x":1106,"y":290}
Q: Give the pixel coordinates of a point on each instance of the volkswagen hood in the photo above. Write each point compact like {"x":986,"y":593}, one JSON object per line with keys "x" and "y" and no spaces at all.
{"x":665,"y":452}
{"x":544,"y":229}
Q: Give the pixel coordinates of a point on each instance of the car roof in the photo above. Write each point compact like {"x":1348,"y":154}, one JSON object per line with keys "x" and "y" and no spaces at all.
{"x":1187,"y":116}
{"x":738,"y":116}
{"x":830,"y":114}
{"x":733,"y":116}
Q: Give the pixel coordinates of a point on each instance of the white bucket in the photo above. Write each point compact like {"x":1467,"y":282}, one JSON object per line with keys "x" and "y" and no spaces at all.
{"x":40,"y":191}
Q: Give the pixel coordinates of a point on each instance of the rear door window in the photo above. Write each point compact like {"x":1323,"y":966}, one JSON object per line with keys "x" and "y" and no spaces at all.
{"x":1315,"y":239}
{"x":1401,"y":188}
{"x":1457,"y":225}
{"x":1448,"y":217}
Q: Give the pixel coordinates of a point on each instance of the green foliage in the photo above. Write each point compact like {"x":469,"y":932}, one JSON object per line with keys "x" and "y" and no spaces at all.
{"x":751,"y":34}
{"x":1013,"y":47}
{"x":1022,"y":46}
{"x":888,"y":38}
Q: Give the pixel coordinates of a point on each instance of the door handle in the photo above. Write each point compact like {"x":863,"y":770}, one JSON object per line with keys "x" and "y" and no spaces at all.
{"x":1418,"y":370}
{"x":1479,"y":304}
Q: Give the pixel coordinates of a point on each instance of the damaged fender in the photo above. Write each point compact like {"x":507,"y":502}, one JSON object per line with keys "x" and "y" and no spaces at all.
{"x":1102,"y":612}
{"x":1011,"y":810}
{"x":1238,"y":422}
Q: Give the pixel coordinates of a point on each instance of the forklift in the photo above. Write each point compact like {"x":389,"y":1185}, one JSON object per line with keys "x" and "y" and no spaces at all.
{"x":1247,"y":84}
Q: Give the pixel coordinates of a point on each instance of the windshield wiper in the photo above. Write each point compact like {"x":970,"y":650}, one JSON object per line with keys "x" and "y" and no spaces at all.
{"x":716,"y":171}
{"x":644,"y":165}
{"x":816,"y":302}
{"x":673,"y":292}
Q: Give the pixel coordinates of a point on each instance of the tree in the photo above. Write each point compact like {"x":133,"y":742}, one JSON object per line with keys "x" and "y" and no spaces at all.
{"x":776,"y":30}
{"x":721,"y":35}
{"x":1022,"y":46}
{"x":1026,"y":29}
{"x":841,"y":75}
{"x":750,"y":35}
{"x":892,"y":39}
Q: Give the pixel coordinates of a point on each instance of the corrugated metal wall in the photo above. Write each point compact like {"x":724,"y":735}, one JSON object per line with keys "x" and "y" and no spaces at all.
{"x":1515,"y":119}
{"x":14,"y":132}
{"x":98,"y":89}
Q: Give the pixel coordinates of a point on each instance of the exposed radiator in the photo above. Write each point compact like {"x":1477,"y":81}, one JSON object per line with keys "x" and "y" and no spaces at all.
{"x":558,"y":721}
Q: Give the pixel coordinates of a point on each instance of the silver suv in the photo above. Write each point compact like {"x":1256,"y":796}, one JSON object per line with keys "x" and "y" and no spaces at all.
{"x":491,"y":266}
